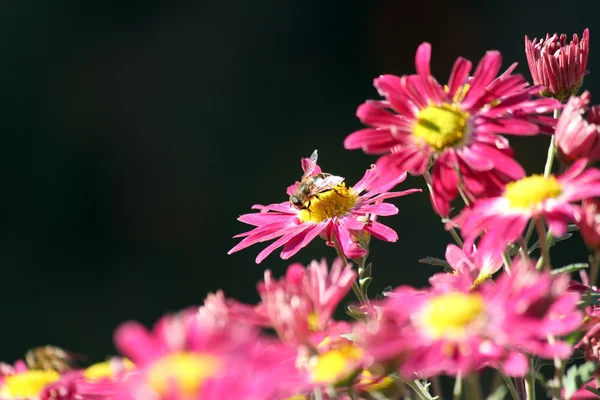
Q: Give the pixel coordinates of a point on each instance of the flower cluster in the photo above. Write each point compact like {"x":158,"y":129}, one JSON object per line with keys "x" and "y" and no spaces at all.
{"x":498,"y":304}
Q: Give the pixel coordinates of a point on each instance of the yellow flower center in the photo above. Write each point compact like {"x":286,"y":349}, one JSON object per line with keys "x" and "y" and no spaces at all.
{"x":337,"y":364}
{"x":331,"y":203}
{"x":105,"y":370}
{"x":186,"y":370}
{"x":529,"y":191}
{"x":442,"y":126}
{"x":313,"y":322}
{"x":27,"y":384}
{"x":451,"y":315}
{"x":370,"y":383}
{"x":460,"y":93}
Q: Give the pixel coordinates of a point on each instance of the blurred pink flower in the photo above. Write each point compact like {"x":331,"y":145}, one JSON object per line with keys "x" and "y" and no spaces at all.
{"x":502,"y":219}
{"x":576,"y":136}
{"x":433,"y":332}
{"x":342,"y":214}
{"x":471,"y":267}
{"x":299,"y":306}
{"x":455,"y":126}
{"x":182,"y":359}
{"x":589,"y":224}
{"x":556,"y":65}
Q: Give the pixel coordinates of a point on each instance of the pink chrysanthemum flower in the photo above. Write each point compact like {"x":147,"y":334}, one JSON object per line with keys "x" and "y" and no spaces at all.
{"x":299,"y":305}
{"x":341,"y":214}
{"x":556,"y":65}
{"x":304,"y":301}
{"x":432,"y":332}
{"x":471,"y":267}
{"x":456,"y":126}
{"x":578,"y":137}
{"x":181,"y":359}
{"x":589,"y":224}
{"x":502,"y":219}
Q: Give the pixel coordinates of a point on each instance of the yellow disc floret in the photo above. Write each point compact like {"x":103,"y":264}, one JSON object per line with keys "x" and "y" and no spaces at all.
{"x":442,"y":126}
{"x":451,"y":315}
{"x":105,"y":369}
{"x":186,"y":370}
{"x":27,"y":384}
{"x":336,"y":365}
{"x":328,"y":204}
{"x":530,"y":191}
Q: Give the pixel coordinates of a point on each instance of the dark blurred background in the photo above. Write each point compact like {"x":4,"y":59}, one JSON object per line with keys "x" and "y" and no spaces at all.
{"x":136,"y":132}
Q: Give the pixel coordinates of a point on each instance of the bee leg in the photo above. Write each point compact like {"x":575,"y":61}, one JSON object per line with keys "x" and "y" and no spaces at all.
{"x":338,"y":193}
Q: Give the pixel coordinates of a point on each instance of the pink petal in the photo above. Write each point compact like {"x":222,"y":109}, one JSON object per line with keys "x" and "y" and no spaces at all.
{"x":381,"y":231}
{"x":459,"y":75}
{"x":301,"y":240}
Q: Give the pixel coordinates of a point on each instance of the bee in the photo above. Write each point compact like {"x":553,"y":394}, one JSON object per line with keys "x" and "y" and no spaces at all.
{"x":51,"y":358}
{"x":311,"y":185}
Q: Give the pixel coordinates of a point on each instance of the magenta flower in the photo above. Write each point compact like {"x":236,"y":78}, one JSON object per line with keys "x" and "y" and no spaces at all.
{"x":341,"y":214}
{"x":181,"y":359}
{"x":456,"y":127}
{"x":556,"y":65}
{"x":471,"y":268}
{"x":576,"y":136}
{"x":502,"y":219}
{"x":433,"y":332}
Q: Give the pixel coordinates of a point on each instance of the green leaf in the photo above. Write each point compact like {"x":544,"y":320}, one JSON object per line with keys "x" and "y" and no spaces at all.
{"x":350,"y":336}
{"x":594,"y":298}
{"x":593,"y":390}
{"x":435,"y":261}
{"x":499,"y":393}
{"x":553,"y":241}
{"x":567,"y":269}
{"x":577,"y":376}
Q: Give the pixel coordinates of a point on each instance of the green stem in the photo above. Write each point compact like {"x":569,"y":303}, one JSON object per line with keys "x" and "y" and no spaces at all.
{"x":530,"y":382}
{"x":544,"y":248}
{"x":355,"y":287}
{"x":559,"y":368}
{"x":453,"y":232}
{"x":420,"y":389}
{"x":506,"y":259}
{"x":594,"y":268}
{"x":551,"y":151}
{"x":457,"y":392}
{"x":511,"y":387}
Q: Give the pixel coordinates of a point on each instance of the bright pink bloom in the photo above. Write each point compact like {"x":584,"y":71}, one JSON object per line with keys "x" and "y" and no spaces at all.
{"x":589,"y":224}
{"x":456,"y":126}
{"x":576,"y":136}
{"x":501,"y":220}
{"x":556,"y":65}
{"x":181,"y":359}
{"x":341,"y":214}
{"x":432,"y":332}
{"x":471,"y":267}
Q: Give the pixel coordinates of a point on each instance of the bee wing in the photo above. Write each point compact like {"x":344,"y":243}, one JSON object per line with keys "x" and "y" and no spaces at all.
{"x":309,"y":164}
{"x":329,"y":182}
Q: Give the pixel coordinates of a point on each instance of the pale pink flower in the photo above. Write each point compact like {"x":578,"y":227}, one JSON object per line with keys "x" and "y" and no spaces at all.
{"x":455,"y":126}
{"x":432,"y":332}
{"x":501,"y":220}
{"x":471,"y":267}
{"x":556,"y":65}
{"x":578,"y":136}
{"x":342,"y":214}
